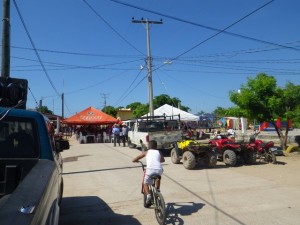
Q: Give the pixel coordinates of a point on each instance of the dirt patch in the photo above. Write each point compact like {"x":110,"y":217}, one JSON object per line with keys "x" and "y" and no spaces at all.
{"x":284,"y":173}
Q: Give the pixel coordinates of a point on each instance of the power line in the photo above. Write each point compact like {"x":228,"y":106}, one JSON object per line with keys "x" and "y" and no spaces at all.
{"x":78,"y":53}
{"x":124,"y":39}
{"x":70,"y":66}
{"x":128,"y":91}
{"x":36,"y":52}
{"x":212,"y":28}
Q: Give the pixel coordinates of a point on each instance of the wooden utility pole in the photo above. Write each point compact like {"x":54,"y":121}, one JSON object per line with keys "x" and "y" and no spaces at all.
{"x":62,"y":105}
{"x":149,"y":59}
{"x":5,"y":71}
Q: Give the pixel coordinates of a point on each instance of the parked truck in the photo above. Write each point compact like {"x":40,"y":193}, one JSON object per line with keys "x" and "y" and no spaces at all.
{"x":31,"y":183}
{"x":165,"y":132}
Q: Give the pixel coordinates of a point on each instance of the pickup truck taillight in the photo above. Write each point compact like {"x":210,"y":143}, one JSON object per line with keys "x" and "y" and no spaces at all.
{"x":147,"y":138}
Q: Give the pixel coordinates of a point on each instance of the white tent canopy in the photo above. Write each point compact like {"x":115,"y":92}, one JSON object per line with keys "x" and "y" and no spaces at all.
{"x":168,"y":110}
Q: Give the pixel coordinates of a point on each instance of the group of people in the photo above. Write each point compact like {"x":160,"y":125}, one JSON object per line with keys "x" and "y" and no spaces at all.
{"x":120,"y":134}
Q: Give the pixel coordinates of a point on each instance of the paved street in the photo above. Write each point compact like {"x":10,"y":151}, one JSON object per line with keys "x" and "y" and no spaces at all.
{"x":102,"y":186}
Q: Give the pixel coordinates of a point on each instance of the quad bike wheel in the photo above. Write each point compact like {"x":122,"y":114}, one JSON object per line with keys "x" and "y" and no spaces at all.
{"x":189,"y":160}
{"x":175,"y":156}
{"x":271,"y":158}
{"x":250,"y":157}
{"x":210,"y":159}
{"x":229,"y":157}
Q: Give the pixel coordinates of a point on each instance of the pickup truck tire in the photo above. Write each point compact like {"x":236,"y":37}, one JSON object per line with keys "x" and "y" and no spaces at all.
{"x":175,"y":156}
{"x":189,"y":160}
{"x":130,"y":145}
{"x":229,"y":158}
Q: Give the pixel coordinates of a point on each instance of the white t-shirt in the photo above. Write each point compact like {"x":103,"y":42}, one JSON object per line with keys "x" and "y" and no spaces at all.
{"x":153,"y":159}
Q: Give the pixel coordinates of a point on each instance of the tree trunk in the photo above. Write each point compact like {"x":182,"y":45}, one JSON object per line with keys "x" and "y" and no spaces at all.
{"x":282,"y":138}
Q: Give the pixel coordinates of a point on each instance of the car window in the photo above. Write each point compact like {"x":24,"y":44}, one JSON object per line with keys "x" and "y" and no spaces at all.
{"x":18,"y":138}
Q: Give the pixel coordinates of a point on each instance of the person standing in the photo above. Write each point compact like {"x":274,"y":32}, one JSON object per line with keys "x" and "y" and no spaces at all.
{"x":124,"y":134}
{"x":116,"y":134}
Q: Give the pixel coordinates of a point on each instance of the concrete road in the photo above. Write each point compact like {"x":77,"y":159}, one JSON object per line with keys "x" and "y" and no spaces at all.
{"x":102,"y":186}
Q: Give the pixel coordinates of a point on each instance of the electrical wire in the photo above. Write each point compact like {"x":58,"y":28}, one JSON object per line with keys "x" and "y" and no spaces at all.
{"x":33,"y":45}
{"x":33,"y":96}
{"x":77,"y":53}
{"x":36,"y":52}
{"x":127,"y":90}
{"x":212,"y":28}
{"x":124,"y":39}
{"x":124,"y":97}
{"x":72,"y":67}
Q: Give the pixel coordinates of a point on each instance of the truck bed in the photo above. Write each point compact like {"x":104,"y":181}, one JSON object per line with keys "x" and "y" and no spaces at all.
{"x":34,"y":188}
{"x":12,"y":172}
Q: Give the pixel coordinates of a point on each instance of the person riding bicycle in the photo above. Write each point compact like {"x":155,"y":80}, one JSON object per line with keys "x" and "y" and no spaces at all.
{"x":154,"y":158}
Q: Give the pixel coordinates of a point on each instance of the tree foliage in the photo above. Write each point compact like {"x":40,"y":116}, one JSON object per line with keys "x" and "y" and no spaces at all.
{"x":263,"y":100}
{"x":141,"y":110}
{"x":160,"y":100}
{"x":133,"y":105}
{"x":44,"y":109}
{"x":110,"y":110}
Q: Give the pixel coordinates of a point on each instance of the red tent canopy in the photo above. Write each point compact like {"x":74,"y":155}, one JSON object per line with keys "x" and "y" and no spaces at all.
{"x":90,"y":115}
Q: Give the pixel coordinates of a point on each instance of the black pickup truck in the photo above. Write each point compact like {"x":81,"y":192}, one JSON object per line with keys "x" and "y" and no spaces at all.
{"x":31,"y":184}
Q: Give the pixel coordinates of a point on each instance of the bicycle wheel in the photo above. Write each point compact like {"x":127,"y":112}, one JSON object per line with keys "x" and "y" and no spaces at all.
{"x":160,"y":208}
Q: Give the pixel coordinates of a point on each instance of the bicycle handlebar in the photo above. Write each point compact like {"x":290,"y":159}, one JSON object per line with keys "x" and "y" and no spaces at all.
{"x":143,"y":166}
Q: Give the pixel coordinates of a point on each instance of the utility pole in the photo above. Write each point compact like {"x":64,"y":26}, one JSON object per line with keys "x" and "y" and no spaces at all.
{"x":6,"y":39}
{"x":41,"y":104}
{"x":149,"y":59}
{"x":105,"y":97}
{"x":62,"y":105}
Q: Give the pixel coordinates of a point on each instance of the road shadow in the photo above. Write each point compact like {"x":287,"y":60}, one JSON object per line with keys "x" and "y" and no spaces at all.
{"x":91,"y":210}
{"x":175,"y":211}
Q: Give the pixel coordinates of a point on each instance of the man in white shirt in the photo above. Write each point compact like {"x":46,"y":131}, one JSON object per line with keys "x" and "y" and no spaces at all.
{"x":154,"y":158}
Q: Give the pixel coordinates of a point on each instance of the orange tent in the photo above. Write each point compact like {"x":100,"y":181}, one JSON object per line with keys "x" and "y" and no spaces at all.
{"x":90,"y":115}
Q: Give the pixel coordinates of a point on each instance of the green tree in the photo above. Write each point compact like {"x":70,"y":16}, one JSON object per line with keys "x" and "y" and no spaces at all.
{"x":161,"y":100}
{"x":263,"y":100}
{"x":296,"y":120}
{"x":236,"y":112}
{"x":44,"y":109}
{"x":201,"y":112}
{"x":110,"y":110}
{"x":133,"y":105}
{"x":166,"y":99}
{"x":220,"y":112}
{"x":141,"y":110}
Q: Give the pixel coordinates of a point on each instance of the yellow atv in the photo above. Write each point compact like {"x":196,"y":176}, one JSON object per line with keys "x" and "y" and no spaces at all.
{"x":191,"y":152}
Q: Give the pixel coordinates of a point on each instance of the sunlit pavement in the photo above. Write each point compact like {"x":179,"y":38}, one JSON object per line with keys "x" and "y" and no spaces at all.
{"x":102,"y":186}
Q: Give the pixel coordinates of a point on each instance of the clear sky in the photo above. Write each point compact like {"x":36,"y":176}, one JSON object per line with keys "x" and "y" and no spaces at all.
{"x":92,"y":52}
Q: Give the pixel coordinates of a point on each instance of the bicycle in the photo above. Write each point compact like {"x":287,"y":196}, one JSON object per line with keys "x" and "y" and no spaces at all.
{"x":157,"y":199}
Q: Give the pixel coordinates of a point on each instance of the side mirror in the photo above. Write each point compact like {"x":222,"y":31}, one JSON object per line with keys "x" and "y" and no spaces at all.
{"x":61,"y":145}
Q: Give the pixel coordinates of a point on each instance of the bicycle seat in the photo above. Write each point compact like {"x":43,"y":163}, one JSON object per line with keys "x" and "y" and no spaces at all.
{"x":155,"y":176}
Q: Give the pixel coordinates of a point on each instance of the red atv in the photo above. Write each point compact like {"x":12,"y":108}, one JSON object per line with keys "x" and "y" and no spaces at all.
{"x":231,"y":152}
{"x":264,"y":151}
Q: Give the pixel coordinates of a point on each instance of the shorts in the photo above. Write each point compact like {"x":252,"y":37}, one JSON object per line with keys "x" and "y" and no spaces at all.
{"x":149,"y":172}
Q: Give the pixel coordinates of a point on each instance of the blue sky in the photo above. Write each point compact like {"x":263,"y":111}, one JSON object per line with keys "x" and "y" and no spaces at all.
{"x":92,"y":52}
